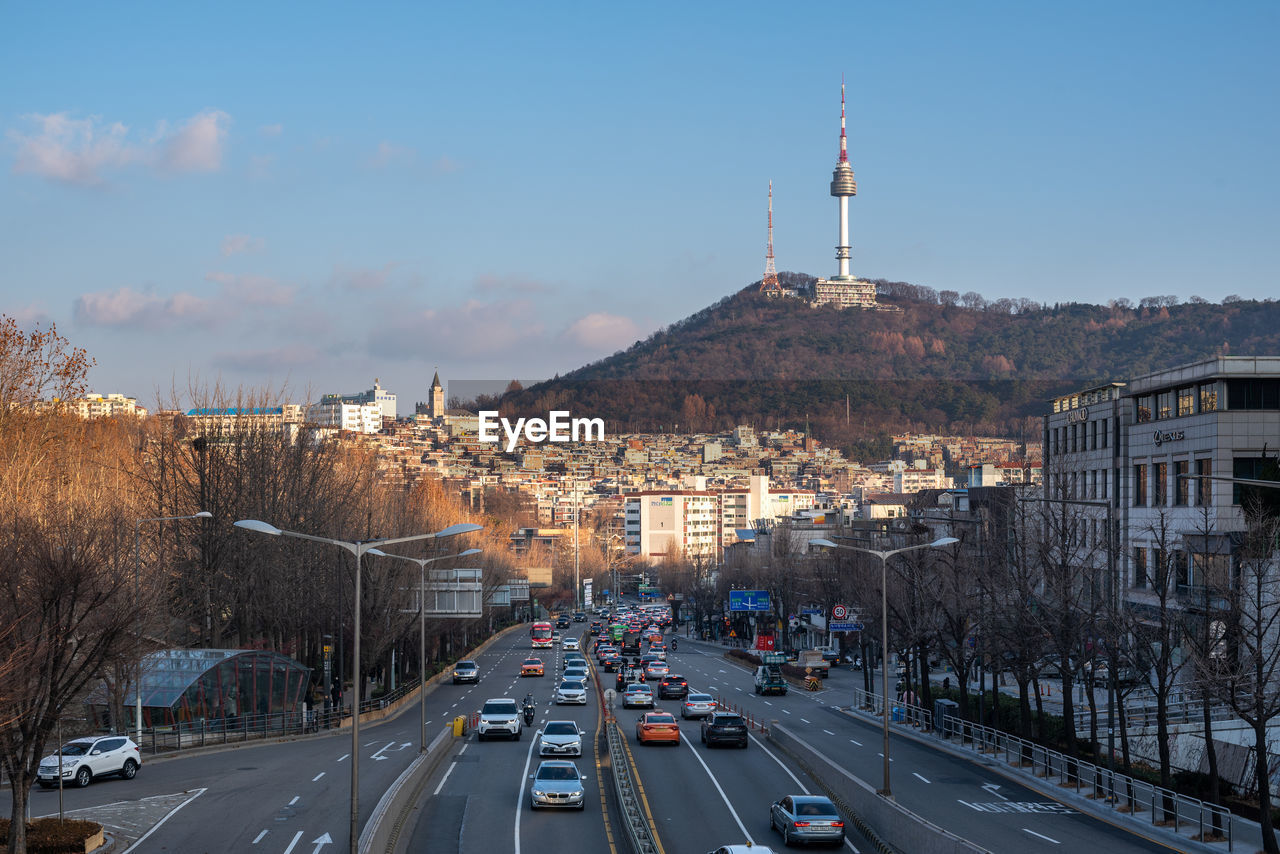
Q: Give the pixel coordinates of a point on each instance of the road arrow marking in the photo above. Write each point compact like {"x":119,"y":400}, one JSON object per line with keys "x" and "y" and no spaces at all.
{"x":378,"y":756}
{"x":319,"y":842}
{"x":990,"y":788}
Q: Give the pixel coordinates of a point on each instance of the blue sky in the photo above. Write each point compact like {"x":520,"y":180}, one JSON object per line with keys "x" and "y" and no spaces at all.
{"x":313,"y":195}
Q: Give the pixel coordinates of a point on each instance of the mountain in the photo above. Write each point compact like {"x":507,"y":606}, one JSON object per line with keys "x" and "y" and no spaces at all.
{"x":930,"y":362}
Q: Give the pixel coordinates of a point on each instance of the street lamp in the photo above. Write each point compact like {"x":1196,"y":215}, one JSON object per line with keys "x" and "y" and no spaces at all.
{"x":884,"y":622}
{"x":422,"y":623}
{"x":358,"y":549}
{"x":137,"y":611}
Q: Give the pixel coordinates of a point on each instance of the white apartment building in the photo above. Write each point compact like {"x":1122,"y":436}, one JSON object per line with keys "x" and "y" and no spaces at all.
{"x":333,"y":412}
{"x":107,"y":406}
{"x":681,"y":523}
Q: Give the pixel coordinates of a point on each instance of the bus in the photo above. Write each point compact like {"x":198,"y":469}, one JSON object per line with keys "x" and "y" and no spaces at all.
{"x":615,"y":632}
{"x":540,"y":634}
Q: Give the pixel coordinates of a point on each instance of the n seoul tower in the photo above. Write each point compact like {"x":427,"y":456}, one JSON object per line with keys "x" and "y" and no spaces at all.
{"x":842,"y":187}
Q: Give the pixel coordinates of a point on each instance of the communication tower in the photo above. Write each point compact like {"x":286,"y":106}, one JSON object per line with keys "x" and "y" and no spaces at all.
{"x":769,"y":284}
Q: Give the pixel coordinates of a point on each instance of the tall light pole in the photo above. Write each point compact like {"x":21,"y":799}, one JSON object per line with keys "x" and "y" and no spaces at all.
{"x":137,"y":611}
{"x":358,"y":549}
{"x":422,"y":624}
{"x":884,"y":623}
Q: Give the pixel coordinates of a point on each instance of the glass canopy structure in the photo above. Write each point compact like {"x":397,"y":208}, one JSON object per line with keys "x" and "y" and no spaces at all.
{"x":187,"y":686}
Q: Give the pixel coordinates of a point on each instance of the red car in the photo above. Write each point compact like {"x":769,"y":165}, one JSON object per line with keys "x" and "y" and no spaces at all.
{"x":657,"y":727}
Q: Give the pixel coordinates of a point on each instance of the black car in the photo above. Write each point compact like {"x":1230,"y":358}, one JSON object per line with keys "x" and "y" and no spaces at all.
{"x":673,"y":687}
{"x":562,"y":622}
{"x":724,"y":728}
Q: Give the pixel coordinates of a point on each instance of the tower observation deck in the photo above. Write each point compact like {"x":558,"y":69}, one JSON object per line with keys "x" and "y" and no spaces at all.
{"x":843,"y":289}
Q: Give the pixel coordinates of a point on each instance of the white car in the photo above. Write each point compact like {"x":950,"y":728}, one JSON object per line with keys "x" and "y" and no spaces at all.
{"x":499,"y":716}
{"x":572,"y":691}
{"x":86,"y":758}
{"x":698,"y":706}
{"x":569,"y":643}
{"x":560,"y":738}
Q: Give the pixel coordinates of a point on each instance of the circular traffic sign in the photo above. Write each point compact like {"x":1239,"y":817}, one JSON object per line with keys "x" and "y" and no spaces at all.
{"x":839,"y":612}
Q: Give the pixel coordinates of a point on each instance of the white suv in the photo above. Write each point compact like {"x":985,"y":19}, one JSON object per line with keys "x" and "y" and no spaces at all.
{"x":499,"y":717}
{"x":93,"y":756}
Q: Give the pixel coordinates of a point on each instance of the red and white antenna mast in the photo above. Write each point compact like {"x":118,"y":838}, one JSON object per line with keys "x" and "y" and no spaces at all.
{"x":769,"y":284}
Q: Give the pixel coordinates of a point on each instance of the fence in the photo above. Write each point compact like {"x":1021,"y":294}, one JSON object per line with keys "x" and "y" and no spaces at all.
{"x":1124,"y":794}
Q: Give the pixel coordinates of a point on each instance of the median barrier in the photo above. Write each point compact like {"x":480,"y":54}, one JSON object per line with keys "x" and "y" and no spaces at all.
{"x":381,"y":834}
{"x":890,"y":826}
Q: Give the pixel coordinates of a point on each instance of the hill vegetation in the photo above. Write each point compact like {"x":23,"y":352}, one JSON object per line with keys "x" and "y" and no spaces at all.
{"x":936,"y":361}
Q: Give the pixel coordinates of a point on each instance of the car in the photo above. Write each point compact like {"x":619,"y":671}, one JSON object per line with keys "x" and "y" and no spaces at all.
{"x":806,"y":818}
{"x":724,"y":728}
{"x":637,"y":696}
{"x":575,"y":658}
{"x":562,"y":621}
{"x":579,"y":616}
{"x":569,"y":643}
{"x":555,"y":637}
{"x":656,"y":669}
{"x":673,"y":686}
{"x":577,"y":673}
{"x":466,"y":671}
{"x":560,"y":738}
{"x":93,"y":756}
{"x":557,"y":783}
{"x":657,"y":726}
{"x":532,"y":667}
{"x":697,"y":706}
{"x":746,"y":848}
{"x":611,"y":662}
{"x":499,"y":716}
{"x":572,"y":691}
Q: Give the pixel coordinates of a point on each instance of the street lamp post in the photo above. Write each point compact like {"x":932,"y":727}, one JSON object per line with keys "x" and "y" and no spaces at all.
{"x":884,"y":623}
{"x":137,"y":611}
{"x":422,"y":624}
{"x":358,"y":549}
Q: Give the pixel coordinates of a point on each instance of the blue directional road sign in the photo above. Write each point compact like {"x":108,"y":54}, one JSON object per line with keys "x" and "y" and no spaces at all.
{"x":844,"y":627}
{"x":754,"y":601}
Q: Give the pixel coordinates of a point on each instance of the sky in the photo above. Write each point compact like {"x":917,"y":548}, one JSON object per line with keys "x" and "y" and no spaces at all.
{"x":306,"y":197}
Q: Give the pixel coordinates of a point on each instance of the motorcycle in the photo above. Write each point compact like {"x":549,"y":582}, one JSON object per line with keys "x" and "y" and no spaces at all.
{"x":529,"y":711}
{"x":674,"y":645}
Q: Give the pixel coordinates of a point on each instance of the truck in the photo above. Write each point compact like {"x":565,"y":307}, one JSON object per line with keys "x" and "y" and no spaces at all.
{"x":768,"y":679}
{"x":813,"y":662}
{"x":630,"y":643}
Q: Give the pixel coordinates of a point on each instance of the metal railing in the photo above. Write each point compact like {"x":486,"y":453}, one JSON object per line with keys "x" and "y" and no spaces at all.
{"x":1124,"y":794}
{"x":628,"y":800}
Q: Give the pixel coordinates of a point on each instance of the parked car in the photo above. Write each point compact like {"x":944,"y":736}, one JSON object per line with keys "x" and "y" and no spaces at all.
{"x":86,"y":758}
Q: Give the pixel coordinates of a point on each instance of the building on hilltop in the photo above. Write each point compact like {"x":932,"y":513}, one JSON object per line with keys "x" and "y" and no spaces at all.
{"x":106,"y":406}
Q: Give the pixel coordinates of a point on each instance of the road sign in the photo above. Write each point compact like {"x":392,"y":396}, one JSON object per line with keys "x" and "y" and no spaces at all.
{"x":839,"y":612}
{"x":755,"y":601}
{"x":811,"y":611}
{"x":844,"y":627}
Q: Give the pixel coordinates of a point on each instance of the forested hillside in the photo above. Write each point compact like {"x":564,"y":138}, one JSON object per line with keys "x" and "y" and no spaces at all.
{"x":939,"y":362}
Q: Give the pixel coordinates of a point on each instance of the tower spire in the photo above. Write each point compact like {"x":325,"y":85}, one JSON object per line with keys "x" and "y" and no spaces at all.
{"x":844,"y":146}
{"x":769,"y":283}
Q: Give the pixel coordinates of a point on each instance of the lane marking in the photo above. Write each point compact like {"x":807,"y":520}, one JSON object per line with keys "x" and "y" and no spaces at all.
{"x":881,"y":755}
{"x":767,"y":703}
{"x":917,"y":776}
{"x":258,"y":838}
{"x":827,"y":731}
{"x":296,"y":837}
{"x":786,"y":711}
{"x":318,"y":776}
{"x":296,"y":798}
{"x":1027,"y":830}
{"x":524,"y":778}
{"x":464,"y":748}
{"x":442,"y":779}
{"x":168,"y":815}
{"x":344,"y":756}
{"x":854,"y":741}
{"x":723,"y":796}
{"x":803,"y":721}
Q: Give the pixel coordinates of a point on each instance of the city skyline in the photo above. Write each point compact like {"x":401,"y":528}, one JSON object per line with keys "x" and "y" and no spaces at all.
{"x":318,"y":202}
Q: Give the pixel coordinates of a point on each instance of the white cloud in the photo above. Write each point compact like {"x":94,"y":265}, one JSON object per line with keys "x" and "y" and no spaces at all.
{"x":127,"y":307}
{"x":249,"y":289}
{"x":198,"y":144}
{"x":81,"y":150}
{"x":602,"y":331}
{"x":475,"y":329}
{"x":389,"y":154}
{"x":271,"y":130}
{"x":235,"y":244}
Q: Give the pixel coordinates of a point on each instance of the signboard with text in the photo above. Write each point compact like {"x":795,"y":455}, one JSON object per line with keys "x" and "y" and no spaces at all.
{"x":751,"y":601}
{"x":844,"y":627}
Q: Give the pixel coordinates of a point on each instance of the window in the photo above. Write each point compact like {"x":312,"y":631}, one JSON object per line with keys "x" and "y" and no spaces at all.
{"x":1204,"y":486}
{"x":1253,"y":394}
{"x":1164,"y":405}
{"x":1140,"y":486}
{"x":1139,"y":566}
{"x":1181,"y":484}
{"x":1161,"y":492}
{"x":1093,"y":484}
{"x":1103,"y":434}
{"x":1250,"y":468}
{"x":1144,"y":409}
{"x":1075,"y":430}
{"x":1208,"y":397}
{"x":1186,"y":401}
{"x":1093,"y":435}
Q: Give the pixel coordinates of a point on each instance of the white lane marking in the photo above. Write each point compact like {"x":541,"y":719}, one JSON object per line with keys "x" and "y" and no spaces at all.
{"x":917,"y":776}
{"x":722,"y":671}
{"x":881,"y":755}
{"x":258,"y":838}
{"x":524,"y":778}
{"x":736,"y":688}
{"x":786,"y":711}
{"x":803,"y":721}
{"x":379,"y":755}
{"x":296,"y":837}
{"x":827,"y":731}
{"x":344,"y":756}
{"x":442,"y":779}
{"x":853,"y":741}
{"x":1032,"y":832}
{"x":168,"y":815}
{"x":318,"y":776}
{"x":296,"y":798}
{"x":464,"y":748}
{"x":716,"y":783}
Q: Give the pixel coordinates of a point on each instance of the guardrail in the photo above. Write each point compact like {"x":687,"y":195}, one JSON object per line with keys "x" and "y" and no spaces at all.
{"x":1123,"y":794}
{"x":624,"y":782}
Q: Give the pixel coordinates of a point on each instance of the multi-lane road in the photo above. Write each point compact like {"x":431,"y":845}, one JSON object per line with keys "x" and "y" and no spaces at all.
{"x":293,"y":797}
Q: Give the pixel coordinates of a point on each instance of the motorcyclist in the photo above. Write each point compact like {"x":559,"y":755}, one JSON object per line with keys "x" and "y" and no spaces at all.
{"x":674,"y":644}
{"x":529,"y":710}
